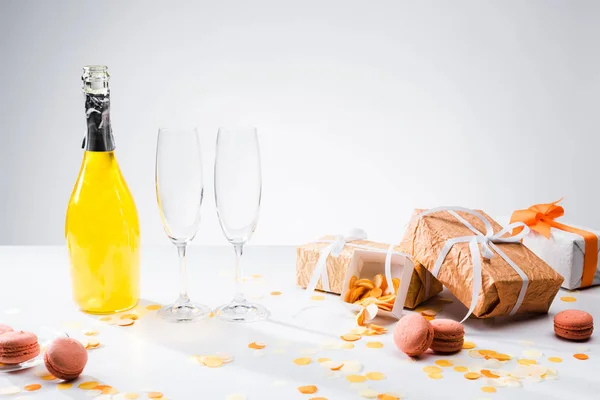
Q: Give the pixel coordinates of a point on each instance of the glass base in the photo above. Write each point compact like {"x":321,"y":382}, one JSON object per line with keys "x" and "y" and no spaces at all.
{"x":186,"y":312}
{"x":242,"y":312}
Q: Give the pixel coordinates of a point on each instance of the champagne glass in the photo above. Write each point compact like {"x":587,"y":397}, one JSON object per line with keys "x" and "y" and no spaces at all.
{"x":179,"y":192}
{"x":238,"y":186}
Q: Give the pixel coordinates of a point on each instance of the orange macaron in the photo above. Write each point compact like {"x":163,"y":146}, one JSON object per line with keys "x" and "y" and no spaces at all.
{"x":573,"y":325}
{"x":65,"y":358}
{"x":448,"y":336}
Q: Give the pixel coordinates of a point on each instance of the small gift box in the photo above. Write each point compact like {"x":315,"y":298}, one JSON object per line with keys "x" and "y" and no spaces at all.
{"x":489,"y":271}
{"x":571,"y":251}
{"x":324,"y":264}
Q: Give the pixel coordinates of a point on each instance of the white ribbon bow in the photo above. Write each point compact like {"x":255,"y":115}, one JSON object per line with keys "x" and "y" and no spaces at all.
{"x":487,"y":242}
{"x":335,"y":249}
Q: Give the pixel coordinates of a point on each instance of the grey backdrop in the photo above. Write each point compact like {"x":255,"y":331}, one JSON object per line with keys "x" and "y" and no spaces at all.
{"x":365,"y":109}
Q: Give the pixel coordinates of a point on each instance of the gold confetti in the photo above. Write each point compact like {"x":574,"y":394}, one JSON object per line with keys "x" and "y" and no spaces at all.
{"x":489,"y":353}
{"x":33,"y":387}
{"x":368,"y":393}
{"x":460,"y":368}
{"x":275,"y":293}
{"x":257,"y":345}
{"x":303,"y":361}
{"x":502,"y":357}
{"x":581,"y":356}
{"x":432,"y":369}
{"x":526,"y":361}
{"x":88,"y":385}
{"x":350,"y":337}
{"x":429,"y":313}
{"x":310,"y":389}
{"x":336,"y":367}
{"x":155,"y":395}
{"x":443,"y":363}
{"x":317,"y":297}
{"x":568,"y":299}
{"x":347,"y":346}
{"x":10,"y":390}
{"x":130,"y":316}
{"x":153,"y":307}
{"x":375,"y":376}
{"x":555,"y":359}
{"x":374,"y":345}
{"x":131,"y":396}
{"x":93,"y":344}
{"x":48,"y":377}
{"x":468,"y":345}
{"x":64,"y":386}
{"x":107,"y":389}
{"x":435,"y":375}
{"x":323,"y":359}
{"x":488,"y":389}
{"x":356,"y":378}
{"x":318,"y":398}
{"x":386,"y":396}
{"x":105,"y":319}
{"x":472,"y":375}
{"x":125,"y":322}
{"x":90,"y":333}
{"x":488,"y":374}
{"x":212,"y":361}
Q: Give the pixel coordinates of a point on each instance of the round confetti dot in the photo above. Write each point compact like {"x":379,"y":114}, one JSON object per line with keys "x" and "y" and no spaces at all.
{"x":212,"y":361}
{"x":568,"y":299}
{"x":7,"y":390}
{"x":443,"y":363}
{"x":93,"y":393}
{"x":303,"y":361}
{"x":429,"y":313}
{"x":472,"y":375}
{"x":125,"y":322}
{"x":436,"y":375}
{"x":130,"y":316}
{"x":387,"y":396}
{"x":347,"y":346}
{"x":555,"y":359}
{"x":90,"y":333}
{"x":323,"y":359}
{"x":310,"y":389}
{"x":275,"y":293}
{"x":488,"y":374}
{"x":33,"y":387}
{"x":106,"y":319}
{"x":93,"y":344}
{"x":581,"y":356}
{"x":257,"y":345}
{"x":526,"y":361}
{"x":375,"y":376}
{"x":460,"y":368}
{"x":153,"y":307}
{"x":374,"y":345}
{"x":48,"y":377}
{"x":356,"y":378}
{"x":488,"y":389}
{"x":468,"y":345}
{"x":317,"y":298}
{"x":88,"y":385}
{"x":368,"y":393}
{"x":432,"y":369}
{"x":350,"y":337}
{"x":155,"y":395}
{"x":532,"y":354}
{"x":109,"y":390}
{"x":318,"y":398}
{"x":64,"y":386}
{"x":489,"y":353}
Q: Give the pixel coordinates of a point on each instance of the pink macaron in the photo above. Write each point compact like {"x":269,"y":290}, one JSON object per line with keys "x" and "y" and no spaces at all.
{"x":5,"y":328}
{"x":65,"y":358}
{"x":413,"y":334}
{"x":448,"y":336}
{"x":573,"y":325}
{"x":17,"y":347}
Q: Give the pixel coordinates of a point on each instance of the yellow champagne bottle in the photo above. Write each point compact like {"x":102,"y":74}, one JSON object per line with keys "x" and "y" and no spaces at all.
{"x":102,"y":228}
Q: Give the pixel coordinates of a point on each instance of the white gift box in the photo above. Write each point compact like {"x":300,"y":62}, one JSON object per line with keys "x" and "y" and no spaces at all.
{"x":564,"y":252}
{"x":367,"y":264}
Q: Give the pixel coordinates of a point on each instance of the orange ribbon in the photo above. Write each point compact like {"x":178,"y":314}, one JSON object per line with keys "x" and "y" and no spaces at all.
{"x":540,"y":218}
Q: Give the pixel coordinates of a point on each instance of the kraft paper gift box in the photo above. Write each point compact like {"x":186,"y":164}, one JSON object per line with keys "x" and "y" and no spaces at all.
{"x":487,"y":269}
{"x":337,"y":266}
{"x":570,"y":250}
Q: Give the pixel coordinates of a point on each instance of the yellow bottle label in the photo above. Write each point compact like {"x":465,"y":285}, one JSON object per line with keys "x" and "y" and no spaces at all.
{"x":103,"y":237}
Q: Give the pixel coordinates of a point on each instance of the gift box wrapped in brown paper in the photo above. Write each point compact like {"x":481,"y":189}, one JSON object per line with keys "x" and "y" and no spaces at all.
{"x":308,"y":257}
{"x":505,"y":290}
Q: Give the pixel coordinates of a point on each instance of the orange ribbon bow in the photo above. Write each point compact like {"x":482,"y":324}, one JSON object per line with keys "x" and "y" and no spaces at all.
{"x":540,"y":218}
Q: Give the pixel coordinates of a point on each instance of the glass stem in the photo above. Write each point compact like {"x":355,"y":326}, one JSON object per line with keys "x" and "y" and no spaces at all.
{"x":239,"y":295}
{"x":183,"y":296}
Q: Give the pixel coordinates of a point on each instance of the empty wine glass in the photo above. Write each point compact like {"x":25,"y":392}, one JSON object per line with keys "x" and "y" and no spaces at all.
{"x":179,"y":191}
{"x":238,"y":186}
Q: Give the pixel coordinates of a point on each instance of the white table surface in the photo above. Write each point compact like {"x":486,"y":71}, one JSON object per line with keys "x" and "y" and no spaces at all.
{"x":153,"y":355}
